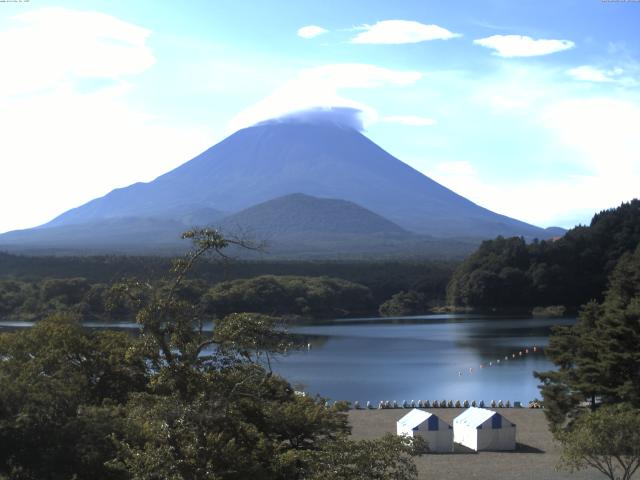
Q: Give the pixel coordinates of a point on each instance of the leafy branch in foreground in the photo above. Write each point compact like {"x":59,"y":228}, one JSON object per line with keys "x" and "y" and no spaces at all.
{"x":179,"y":402}
{"x":607,"y":440}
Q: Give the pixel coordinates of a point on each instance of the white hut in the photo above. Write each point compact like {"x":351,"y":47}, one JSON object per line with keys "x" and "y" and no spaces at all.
{"x":482,"y":429}
{"x":438,"y":434}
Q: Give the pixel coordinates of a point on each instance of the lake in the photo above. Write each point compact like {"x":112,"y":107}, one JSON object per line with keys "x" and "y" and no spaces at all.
{"x":422,"y":358}
{"x":431,"y":357}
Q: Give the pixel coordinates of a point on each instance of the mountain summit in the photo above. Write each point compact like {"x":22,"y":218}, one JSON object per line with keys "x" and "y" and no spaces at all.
{"x":279,"y":158}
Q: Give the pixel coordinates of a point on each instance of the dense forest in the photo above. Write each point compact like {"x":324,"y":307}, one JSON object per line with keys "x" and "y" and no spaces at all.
{"x":508,"y":273}
{"x":83,"y":404}
{"x":32,"y":287}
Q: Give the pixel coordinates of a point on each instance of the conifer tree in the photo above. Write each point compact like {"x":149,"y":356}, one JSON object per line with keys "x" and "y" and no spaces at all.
{"x":598,"y":357}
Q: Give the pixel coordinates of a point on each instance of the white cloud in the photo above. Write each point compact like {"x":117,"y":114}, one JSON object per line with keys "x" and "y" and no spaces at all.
{"x":401,"y":31}
{"x":588,"y":73}
{"x":53,"y":45}
{"x":322,"y":87}
{"x":523,"y":46}
{"x":605,"y":132}
{"x":67,"y":148}
{"x":62,"y":147}
{"x":409,"y":120}
{"x":311,"y":31}
{"x":542,"y":149}
{"x":560,"y":201}
{"x":618,"y":75}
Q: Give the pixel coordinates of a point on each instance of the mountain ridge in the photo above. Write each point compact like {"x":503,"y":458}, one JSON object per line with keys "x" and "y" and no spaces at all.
{"x":269,"y":161}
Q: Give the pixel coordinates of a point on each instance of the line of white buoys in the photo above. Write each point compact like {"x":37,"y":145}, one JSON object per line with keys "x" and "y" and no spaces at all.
{"x":498,"y":361}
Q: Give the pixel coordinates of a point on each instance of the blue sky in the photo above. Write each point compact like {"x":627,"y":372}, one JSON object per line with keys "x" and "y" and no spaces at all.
{"x":529,"y":108}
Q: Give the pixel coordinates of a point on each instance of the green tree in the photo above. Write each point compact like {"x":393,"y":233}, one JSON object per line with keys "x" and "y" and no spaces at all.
{"x":213,"y":410}
{"x":598,"y":357}
{"x":181,"y":401}
{"x":569,"y":271}
{"x":404,"y":303}
{"x":607,"y":440}
{"x":57,"y":385}
{"x":389,"y":457}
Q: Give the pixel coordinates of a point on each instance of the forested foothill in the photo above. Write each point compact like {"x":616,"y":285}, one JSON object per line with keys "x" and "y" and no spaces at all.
{"x":83,"y":404}
{"x":32,"y":287}
{"x":508,"y":273}
{"x":592,"y":399}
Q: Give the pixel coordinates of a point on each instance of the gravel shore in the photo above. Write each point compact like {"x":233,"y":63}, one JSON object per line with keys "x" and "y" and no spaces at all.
{"x":535,"y":457}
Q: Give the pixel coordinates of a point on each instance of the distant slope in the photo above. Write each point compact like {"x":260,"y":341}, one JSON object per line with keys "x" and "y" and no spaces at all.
{"x":275,"y":159}
{"x":294,"y":226}
{"x":299,"y":216}
{"x":130,"y":235}
{"x":379,"y":206}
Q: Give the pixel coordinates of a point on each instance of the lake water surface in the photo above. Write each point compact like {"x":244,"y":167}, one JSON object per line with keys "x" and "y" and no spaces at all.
{"x":432,"y":357}
{"x":422,"y":358}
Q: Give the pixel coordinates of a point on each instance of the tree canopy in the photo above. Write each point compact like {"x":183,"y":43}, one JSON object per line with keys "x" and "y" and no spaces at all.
{"x":607,"y":440}
{"x":598,"y":357}
{"x":177,"y":402}
{"x":508,"y":273}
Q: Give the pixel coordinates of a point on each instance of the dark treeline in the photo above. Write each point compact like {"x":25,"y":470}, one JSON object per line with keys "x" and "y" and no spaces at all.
{"x":32,"y":287}
{"x":508,"y":273}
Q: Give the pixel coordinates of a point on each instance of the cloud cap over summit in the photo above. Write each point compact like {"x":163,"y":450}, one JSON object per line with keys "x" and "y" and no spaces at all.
{"x":345,"y":117}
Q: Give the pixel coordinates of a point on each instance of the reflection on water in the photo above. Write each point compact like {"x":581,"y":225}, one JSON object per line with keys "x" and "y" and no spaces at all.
{"x":427,"y":357}
{"x":411,"y":358}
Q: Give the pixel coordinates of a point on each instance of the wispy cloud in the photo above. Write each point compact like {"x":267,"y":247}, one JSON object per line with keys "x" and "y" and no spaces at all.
{"x":588,"y":73}
{"x":621,"y":76}
{"x":523,"y":46}
{"x":340,"y":116}
{"x":54,"y":127}
{"x":401,"y":31}
{"x":323,"y":87}
{"x":311,"y":31}
{"x":53,"y":45}
{"x":409,"y":120}
{"x":571,"y":151}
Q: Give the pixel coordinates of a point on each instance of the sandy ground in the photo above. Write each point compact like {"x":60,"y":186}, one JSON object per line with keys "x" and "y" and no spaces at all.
{"x":535,"y":457}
